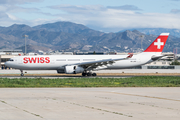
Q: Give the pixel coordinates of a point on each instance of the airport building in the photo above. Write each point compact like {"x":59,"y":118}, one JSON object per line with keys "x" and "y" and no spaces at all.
{"x":6,"y":54}
{"x":3,"y":59}
{"x":11,"y":52}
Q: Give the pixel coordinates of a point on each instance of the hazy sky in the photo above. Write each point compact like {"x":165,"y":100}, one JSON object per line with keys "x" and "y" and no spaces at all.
{"x":105,"y":15}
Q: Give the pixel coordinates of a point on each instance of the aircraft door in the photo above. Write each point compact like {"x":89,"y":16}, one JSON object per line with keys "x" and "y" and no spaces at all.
{"x":52,"y":61}
{"x":20,"y":61}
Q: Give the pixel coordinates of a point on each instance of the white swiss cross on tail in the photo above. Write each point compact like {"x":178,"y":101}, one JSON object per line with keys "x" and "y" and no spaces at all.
{"x":158,"y":44}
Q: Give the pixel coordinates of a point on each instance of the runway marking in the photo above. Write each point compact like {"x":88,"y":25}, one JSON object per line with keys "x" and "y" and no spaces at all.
{"x":94,"y":108}
{"x":21,"y":109}
{"x":98,"y":109}
{"x":145,"y":96}
{"x":154,"y":106}
{"x":143,"y":103}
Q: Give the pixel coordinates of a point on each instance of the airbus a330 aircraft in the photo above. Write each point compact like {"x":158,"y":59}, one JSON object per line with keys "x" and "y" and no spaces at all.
{"x":85,"y":64}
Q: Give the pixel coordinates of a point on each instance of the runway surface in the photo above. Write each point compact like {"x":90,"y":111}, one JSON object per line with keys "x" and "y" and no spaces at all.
{"x":78,"y":76}
{"x":102,"y":73}
{"x":89,"y":103}
{"x":14,"y":71}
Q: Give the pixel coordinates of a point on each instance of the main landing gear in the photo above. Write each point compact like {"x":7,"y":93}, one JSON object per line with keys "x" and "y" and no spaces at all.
{"x":85,"y":73}
{"x":22,"y":73}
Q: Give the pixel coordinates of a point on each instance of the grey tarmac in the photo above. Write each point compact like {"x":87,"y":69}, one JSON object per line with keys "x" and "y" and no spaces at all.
{"x":122,"y":73}
{"x":15,"y":71}
{"x":90,"y":103}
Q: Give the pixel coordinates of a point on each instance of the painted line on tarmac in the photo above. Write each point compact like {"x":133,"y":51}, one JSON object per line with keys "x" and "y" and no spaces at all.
{"x":144,"y":96}
{"x":21,"y":109}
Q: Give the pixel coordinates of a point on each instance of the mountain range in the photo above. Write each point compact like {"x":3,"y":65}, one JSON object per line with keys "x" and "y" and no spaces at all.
{"x":68,"y":36}
{"x":157,"y":31}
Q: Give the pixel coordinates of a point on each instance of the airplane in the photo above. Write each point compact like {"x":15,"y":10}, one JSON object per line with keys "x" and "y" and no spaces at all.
{"x":85,"y":64}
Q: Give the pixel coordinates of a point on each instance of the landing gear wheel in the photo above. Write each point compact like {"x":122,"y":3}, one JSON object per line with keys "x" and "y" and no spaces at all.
{"x":22,"y":73}
{"x":94,"y":74}
{"x":89,"y":74}
{"x":84,"y":74}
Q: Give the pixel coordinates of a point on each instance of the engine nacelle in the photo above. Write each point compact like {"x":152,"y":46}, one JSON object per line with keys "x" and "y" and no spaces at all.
{"x":73,"y":69}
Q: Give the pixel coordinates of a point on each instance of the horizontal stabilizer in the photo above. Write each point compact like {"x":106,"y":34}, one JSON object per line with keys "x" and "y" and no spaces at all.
{"x":155,"y":57}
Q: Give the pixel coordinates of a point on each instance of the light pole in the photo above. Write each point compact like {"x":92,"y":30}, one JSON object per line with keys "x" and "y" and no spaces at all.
{"x":25,"y":42}
{"x":142,"y":36}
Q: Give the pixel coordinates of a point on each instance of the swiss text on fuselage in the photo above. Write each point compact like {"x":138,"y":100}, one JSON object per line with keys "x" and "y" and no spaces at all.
{"x":36,"y":60}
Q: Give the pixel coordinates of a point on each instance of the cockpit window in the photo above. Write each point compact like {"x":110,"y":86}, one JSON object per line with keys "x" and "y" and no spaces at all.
{"x":11,"y":60}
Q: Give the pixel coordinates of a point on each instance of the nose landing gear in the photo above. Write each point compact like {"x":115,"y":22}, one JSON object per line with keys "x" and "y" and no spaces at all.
{"x":22,"y":73}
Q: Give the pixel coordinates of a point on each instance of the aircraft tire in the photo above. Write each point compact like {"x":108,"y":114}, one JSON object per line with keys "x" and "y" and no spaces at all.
{"x":89,"y":74}
{"x":84,"y":74}
{"x":22,"y":74}
{"x":94,"y":74}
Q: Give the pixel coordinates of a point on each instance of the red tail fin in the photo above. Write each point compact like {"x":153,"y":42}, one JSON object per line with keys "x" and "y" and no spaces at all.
{"x":158,"y":44}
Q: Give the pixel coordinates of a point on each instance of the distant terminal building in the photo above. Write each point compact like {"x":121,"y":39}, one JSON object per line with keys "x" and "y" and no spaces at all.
{"x":95,"y":53}
{"x":59,"y":53}
{"x":89,"y":53}
{"x":3,"y":59}
{"x":6,"y":54}
{"x":10,"y":52}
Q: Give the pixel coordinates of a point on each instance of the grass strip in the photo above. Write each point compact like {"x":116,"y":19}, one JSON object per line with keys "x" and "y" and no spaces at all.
{"x":143,"y":81}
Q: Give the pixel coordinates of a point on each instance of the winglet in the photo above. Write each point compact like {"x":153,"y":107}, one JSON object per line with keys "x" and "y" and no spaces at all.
{"x":158,"y":44}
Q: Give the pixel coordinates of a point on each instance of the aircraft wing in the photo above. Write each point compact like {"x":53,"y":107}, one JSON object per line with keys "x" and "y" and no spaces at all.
{"x":101,"y":63}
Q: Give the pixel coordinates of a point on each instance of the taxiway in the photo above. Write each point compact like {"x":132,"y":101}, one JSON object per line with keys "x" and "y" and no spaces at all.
{"x":102,"y":73}
{"x":90,"y":103}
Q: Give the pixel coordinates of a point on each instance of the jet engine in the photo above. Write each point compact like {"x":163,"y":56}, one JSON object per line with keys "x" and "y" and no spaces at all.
{"x":73,"y":69}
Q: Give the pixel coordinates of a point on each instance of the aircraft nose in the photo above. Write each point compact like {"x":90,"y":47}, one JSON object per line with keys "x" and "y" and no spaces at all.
{"x":6,"y":63}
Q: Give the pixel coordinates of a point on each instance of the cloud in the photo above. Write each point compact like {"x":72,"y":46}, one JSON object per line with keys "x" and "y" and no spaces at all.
{"x":14,"y":9}
{"x":7,"y":11}
{"x":10,"y":7}
{"x":3,"y":15}
{"x":117,"y":18}
{"x":125,"y":7}
{"x":108,"y":19}
{"x":8,"y":19}
{"x":175,"y":11}
{"x":79,"y":8}
{"x":10,"y":2}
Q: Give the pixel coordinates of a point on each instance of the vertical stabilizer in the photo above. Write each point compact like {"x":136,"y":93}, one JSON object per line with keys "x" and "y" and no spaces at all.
{"x":158,"y":44}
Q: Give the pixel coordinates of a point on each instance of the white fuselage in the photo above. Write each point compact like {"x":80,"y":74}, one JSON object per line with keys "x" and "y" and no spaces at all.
{"x":57,"y":62}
